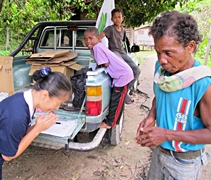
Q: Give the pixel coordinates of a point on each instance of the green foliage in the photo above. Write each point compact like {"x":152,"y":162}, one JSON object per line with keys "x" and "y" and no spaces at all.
{"x":191,"y":6}
{"x":201,"y":53}
{"x":21,"y":15}
{"x":25,"y":13}
{"x":138,"y":12}
{"x":4,"y":53}
{"x":201,"y":11}
{"x":202,"y":49}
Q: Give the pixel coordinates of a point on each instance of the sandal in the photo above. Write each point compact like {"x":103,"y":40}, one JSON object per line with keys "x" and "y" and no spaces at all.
{"x":130,"y":101}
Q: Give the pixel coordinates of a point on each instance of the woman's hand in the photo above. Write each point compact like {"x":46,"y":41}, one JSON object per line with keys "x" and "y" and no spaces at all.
{"x":44,"y":122}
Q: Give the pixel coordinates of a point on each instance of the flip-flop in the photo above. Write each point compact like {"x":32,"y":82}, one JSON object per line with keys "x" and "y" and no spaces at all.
{"x":130,"y":101}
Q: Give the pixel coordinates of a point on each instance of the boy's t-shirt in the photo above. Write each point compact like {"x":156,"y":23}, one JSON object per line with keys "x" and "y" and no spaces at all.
{"x":115,"y":39}
{"x":118,"y":69}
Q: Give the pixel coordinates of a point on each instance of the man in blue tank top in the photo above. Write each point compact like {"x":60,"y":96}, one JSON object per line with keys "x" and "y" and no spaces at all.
{"x":178,"y":125}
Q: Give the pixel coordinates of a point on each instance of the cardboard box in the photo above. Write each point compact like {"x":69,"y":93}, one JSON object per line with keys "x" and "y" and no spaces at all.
{"x":6,"y":75}
{"x":66,"y":70}
{"x":56,"y":60}
{"x":50,"y":54}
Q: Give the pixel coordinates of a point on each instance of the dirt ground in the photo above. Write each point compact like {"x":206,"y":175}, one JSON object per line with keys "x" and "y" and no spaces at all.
{"x":127,"y":161}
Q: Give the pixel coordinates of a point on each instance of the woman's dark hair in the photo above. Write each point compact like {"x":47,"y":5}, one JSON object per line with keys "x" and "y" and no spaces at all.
{"x":93,"y":30}
{"x":116,"y":10}
{"x":55,"y":83}
{"x":175,"y":24}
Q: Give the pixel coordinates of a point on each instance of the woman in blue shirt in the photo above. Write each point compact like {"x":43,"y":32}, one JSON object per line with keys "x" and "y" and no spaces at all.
{"x":16,"y":111}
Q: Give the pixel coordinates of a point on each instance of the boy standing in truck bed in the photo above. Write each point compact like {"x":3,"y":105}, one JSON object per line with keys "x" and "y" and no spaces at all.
{"x":116,"y":35}
{"x":117,"y":68}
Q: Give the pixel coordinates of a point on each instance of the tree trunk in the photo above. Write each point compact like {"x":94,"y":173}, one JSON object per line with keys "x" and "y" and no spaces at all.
{"x":7,"y":38}
{"x":1,"y":4}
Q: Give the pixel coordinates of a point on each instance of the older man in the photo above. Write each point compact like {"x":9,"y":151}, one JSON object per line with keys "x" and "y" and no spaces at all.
{"x":178,"y":125}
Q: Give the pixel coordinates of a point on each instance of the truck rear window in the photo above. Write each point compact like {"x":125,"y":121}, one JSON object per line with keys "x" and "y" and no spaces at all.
{"x":63,"y":38}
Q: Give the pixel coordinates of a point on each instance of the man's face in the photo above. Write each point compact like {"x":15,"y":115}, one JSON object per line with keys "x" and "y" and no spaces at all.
{"x":117,"y":18}
{"x":172,"y":56}
{"x":90,"y":39}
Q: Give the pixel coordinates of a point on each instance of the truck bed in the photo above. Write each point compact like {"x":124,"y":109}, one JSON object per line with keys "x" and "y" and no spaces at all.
{"x":39,"y":38}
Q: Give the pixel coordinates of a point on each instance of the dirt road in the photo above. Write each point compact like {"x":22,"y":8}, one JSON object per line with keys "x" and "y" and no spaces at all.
{"x":127,"y":161}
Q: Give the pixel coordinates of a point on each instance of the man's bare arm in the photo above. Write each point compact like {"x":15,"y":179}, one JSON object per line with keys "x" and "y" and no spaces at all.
{"x":102,"y":35}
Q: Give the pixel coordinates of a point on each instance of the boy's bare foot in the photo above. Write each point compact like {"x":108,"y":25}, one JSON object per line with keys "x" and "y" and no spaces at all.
{"x":128,"y":100}
{"x":104,"y":125}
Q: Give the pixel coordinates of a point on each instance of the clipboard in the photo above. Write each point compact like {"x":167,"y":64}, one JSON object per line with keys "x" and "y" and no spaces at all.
{"x":61,"y":128}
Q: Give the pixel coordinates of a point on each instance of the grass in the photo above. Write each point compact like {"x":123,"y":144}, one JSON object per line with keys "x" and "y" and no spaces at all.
{"x":202,"y":60}
{"x":142,"y":54}
{"x":13,"y":44}
{"x":4,"y":53}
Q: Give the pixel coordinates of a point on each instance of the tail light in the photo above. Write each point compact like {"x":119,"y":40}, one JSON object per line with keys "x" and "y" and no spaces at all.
{"x":93,"y":100}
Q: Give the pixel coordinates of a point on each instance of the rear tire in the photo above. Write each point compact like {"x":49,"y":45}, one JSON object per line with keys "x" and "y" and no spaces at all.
{"x":113,"y":136}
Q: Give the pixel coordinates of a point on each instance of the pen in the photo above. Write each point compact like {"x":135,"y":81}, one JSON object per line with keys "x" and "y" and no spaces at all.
{"x":58,"y":123}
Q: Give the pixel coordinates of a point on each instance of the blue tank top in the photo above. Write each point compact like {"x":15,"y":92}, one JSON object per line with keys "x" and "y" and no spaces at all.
{"x":175,"y":111}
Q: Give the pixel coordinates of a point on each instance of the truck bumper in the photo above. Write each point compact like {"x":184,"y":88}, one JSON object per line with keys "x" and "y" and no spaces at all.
{"x":72,"y":145}
{"x":88,"y":146}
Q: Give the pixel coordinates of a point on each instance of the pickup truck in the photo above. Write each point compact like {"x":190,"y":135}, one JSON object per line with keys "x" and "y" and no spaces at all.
{"x":51,"y":36}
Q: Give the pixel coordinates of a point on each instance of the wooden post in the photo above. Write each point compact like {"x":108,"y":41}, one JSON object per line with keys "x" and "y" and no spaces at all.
{"x":208,"y":48}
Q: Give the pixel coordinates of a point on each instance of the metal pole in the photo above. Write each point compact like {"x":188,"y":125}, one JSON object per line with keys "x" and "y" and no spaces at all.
{"x":208,"y":48}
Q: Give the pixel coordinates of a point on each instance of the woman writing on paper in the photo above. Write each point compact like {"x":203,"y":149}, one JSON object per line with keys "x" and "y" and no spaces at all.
{"x":16,"y":111}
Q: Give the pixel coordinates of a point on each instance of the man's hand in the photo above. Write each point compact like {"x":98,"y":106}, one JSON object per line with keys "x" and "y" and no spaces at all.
{"x":147,"y":122}
{"x":152,"y":136}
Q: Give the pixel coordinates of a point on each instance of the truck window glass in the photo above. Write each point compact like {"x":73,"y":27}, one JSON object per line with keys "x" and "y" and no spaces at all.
{"x":80,"y":38}
{"x":63,"y":38}
{"x":48,"y":38}
{"x":66,"y":38}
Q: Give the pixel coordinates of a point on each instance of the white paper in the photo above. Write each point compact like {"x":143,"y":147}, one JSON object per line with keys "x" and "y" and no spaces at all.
{"x":65,"y":128}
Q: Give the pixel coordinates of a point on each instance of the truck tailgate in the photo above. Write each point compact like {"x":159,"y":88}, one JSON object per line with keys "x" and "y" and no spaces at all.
{"x":60,"y":141}
{"x":56,"y":142}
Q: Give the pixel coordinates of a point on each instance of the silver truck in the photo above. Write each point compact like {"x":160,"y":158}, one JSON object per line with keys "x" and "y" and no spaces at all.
{"x":68,"y":35}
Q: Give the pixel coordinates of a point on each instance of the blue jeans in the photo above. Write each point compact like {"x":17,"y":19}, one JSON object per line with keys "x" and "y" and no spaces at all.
{"x":134,"y":67}
{"x":167,"y":167}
